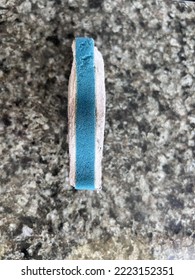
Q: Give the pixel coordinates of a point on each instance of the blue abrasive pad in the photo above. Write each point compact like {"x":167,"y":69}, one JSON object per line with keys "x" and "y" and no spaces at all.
{"x":85,"y":114}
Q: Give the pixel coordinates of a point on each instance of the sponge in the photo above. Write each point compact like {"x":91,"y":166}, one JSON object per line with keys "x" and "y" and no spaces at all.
{"x":86,"y":115}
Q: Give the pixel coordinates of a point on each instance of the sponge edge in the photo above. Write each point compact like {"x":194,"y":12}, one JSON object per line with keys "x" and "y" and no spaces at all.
{"x":100,"y":100}
{"x":100,"y":115}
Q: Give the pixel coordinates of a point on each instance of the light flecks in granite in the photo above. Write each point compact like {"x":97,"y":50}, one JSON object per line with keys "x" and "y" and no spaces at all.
{"x":113,"y":248}
{"x":146,"y":207}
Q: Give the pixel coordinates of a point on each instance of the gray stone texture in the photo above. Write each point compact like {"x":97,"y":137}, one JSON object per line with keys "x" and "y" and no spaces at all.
{"x":146,"y":208}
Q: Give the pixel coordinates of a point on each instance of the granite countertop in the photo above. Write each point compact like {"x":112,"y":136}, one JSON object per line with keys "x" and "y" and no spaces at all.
{"x":146,"y":208}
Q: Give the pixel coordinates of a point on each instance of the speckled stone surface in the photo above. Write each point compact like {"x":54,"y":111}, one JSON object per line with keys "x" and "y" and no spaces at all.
{"x":146,"y":208}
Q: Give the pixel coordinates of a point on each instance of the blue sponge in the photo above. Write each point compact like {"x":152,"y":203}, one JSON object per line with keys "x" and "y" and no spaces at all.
{"x":86,"y":115}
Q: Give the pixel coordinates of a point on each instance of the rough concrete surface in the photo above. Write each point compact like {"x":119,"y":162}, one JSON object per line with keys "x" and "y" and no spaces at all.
{"x":146,"y":208}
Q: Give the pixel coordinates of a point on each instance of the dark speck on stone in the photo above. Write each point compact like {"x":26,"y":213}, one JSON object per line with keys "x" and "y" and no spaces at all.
{"x":17,"y":20}
{"x":174,"y":227}
{"x":144,"y":126}
{"x":167,"y":169}
{"x":42,"y":161}
{"x":120,"y":126}
{"x":28,"y":220}
{"x":83,"y":213}
{"x":150,"y":235}
{"x":189,"y":188}
{"x":188,"y":232}
{"x":150,"y":67}
{"x":50,"y":227}
{"x":147,"y":169}
{"x":60,"y":226}
{"x":181,"y":8}
{"x":18,"y":102}
{"x":163,"y":107}
{"x":25,"y":253}
{"x":144,"y":147}
{"x":93,"y":4}
{"x":70,"y":35}
{"x":6,"y":120}
{"x":133,"y":105}
{"x":96,"y":203}
{"x":2,"y":23}
{"x":96,"y":222}
{"x":175,"y":202}
{"x":54,"y":39}
{"x":36,"y":251}
{"x":192,"y":125}
{"x":139,"y":217}
{"x":58,"y":2}
{"x":25,"y":161}
{"x":55,"y":171}
{"x":158,"y":26}
{"x":112,"y":213}
{"x":26,"y":55}
{"x":143,"y":23}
